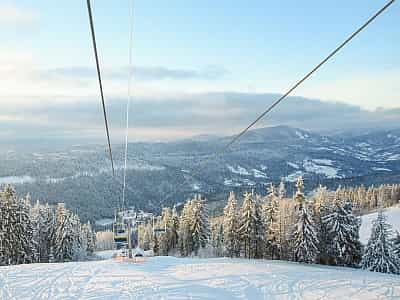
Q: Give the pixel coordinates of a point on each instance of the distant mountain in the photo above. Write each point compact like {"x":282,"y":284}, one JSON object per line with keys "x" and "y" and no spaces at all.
{"x":166,"y":173}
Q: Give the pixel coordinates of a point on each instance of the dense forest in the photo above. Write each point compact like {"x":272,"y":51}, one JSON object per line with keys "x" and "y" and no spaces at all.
{"x":40,"y":233}
{"x":323,"y":228}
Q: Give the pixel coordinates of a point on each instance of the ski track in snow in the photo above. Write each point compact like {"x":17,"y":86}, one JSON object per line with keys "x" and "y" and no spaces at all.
{"x":186,"y":278}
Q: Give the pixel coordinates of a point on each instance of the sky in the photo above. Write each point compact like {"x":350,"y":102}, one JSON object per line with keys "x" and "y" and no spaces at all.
{"x":189,"y":57}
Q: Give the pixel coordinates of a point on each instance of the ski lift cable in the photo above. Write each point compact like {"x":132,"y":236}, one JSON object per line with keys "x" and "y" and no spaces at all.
{"x":286,"y":94}
{"x":100,"y":83}
{"x":298,"y":83}
{"x":128,"y":100}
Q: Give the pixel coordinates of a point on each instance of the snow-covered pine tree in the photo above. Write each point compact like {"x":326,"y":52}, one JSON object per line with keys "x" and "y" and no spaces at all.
{"x":305,"y":239}
{"x":271,"y":224}
{"x":164,"y":240}
{"x":7,"y":218}
{"x":145,"y":236}
{"x":396,"y":245}
{"x":63,"y":237}
{"x":185,"y":233}
{"x":23,"y":228}
{"x":156,"y":245}
{"x":379,"y":253}
{"x":250,"y":228}
{"x":320,"y":208}
{"x":174,"y":230}
{"x":217,"y":237}
{"x":282,"y":189}
{"x":79,"y":242}
{"x":199,"y":226}
{"x":343,"y":232}
{"x":88,"y":239}
{"x":230,"y":227}
{"x":48,"y":242}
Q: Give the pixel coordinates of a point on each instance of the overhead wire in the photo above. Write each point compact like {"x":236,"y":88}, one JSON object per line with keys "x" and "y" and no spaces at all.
{"x":290,"y":90}
{"x":298,"y":83}
{"x":100,"y":83}
{"x":130,"y":73}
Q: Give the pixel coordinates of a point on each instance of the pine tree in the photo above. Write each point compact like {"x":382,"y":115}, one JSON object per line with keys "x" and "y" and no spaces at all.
{"x":251,"y":229}
{"x":230,"y":227}
{"x":89,"y":238}
{"x":305,"y":244}
{"x":379,"y":253}
{"x":185,"y":233}
{"x":217,"y":238}
{"x":396,"y":245}
{"x":343,"y":228}
{"x":199,"y":225}
{"x":23,"y":228}
{"x":174,"y":230}
{"x":64,"y":236}
{"x":156,"y":245}
{"x":321,"y":209}
{"x":271,"y":224}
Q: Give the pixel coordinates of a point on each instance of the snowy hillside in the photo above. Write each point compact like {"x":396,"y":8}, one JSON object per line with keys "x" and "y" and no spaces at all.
{"x":178,"y":278}
{"x":393,"y":214}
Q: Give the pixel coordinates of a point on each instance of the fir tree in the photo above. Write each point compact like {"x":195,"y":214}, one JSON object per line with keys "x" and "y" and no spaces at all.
{"x":230,"y":227}
{"x":251,"y":229}
{"x":396,"y":245}
{"x":185,"y":234}
{"x":271,"y":224}
{"x":343,"y":228}
{"x":379,"y":253}
{"x":199,"y":225}
{"x":305,"y":244}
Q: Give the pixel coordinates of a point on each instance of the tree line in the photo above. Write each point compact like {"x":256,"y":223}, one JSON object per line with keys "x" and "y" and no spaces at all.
{"x":322,"y":228}
{"x":40,"y":233}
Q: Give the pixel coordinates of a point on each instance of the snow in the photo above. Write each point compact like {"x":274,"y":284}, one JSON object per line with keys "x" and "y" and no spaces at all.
{"x":259,"y":174}
{"x":192,"y":278}
{"x":293,"y":176}
{"x":381,"y":169}
{"x":230,"y":182}
{"x":393,"y":215}
{"x":16,"y":179}
{"x":313,"y":167}
{"x":393,"y":157}
{"x":196,"y":186}
{"x":293,"y":165}
{"x":240,"y":170}
{"x":104,"y":222}
{"x":301,"y":135}
{"x":323,"y":161}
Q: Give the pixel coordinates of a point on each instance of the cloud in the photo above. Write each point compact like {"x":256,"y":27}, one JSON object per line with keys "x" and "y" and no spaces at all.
{"x":143,"y":73}
{"x":186,"y":115}
{"x":370,"y":90}
{"x":13,"y":15}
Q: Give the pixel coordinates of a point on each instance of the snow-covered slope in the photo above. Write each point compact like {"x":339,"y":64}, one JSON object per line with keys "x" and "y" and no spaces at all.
{"x":393,"y":218}
{"x":186,"y":278}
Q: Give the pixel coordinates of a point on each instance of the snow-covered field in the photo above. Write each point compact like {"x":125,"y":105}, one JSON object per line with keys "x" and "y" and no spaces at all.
{"x":187,"y":278}
{"x":393,"y":218}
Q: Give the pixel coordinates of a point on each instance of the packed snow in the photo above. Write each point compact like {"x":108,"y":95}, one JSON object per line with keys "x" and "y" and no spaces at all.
{"x":192,"y":278}
{"x":393,"y":218}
